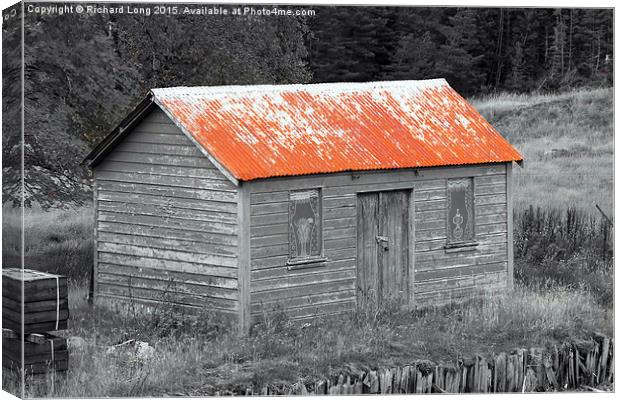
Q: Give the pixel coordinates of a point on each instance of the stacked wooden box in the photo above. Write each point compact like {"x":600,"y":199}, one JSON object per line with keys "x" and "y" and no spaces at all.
{"x":40,"y":300}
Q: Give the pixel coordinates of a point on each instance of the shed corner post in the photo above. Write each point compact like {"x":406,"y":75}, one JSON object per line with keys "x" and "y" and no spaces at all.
{"x":92,"y":290}
{"x":510,"y":239}
{"x":243,"y":215}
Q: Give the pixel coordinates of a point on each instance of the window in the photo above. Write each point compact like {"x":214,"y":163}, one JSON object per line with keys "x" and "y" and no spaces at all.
{"x":305,"y":226}
{"x":460,"y":218}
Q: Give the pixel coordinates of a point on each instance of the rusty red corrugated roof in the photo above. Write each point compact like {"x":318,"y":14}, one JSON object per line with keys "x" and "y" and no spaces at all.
{"x":266,"y":131}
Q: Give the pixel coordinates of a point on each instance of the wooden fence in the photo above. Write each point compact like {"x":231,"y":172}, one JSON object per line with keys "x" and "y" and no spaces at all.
{"x":571,"y":366}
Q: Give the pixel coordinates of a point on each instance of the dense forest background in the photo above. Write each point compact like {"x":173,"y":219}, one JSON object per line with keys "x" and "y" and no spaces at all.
{"x":83,"y":73}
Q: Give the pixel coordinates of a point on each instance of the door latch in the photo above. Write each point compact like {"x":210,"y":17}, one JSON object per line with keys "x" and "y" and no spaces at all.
{"x":383,"y":241}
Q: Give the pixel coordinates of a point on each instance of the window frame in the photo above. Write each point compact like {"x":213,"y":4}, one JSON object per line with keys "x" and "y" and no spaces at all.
{"x":467,"y":244}
{"x":311,"y":261}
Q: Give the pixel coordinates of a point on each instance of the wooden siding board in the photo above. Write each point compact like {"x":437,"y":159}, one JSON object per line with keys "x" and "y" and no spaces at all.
{"x":272,"y":262}
{"x":155,"y":159}
{"x":269,"y":240}
{"x":461,"y":261}
{"x":167,"y":254}
{"x":165,"y":212}
{"x":167,"y":191}
{"x":440,"y":223}
{"x":311,"y":311}
{"x":291,"y":291}
{"x":268,"y":230}
{"x":316,"y":300}
{"x":155,"y":304}
{"x":339,"y":254}
{"x":171,"y":288}
{"x":155,"y":138}
{"x":219,"y":207}
{"x":490,"y":209}
{"x":295,"y":281}
{"x":480,"y":249}
{"x":476,"y":282}
{"x":278,"y":272}
{"x":170,"y":180}
{"x":158,"y":169}
{"x":197,"y":279}
{"x":437,"y":244}
{"x":490,"y":199}
{"x":161,"y":128}
{"x":163,"y":233}
{"x":167,"y":265}
{"x":155,"y":296}
{"x":482,"y":190}
{"x":339,"y":223}
{"x":339,"y":212}
{"x":159,"y":149}
{"x":455,"y":272}
{"x":269,"y":219}
{"x":169,"y":222}
{"x":268,"y":197}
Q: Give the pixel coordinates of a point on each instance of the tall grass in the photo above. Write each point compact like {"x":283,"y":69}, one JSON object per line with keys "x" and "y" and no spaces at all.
{"x":567,"y":248}
{"x":56,"y":241}
{"x":192,"y":360}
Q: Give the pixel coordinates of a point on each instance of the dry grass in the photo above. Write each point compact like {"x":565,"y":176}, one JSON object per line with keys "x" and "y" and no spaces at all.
{"x":579,"y":125}
{"x":56,"y":241}
{"x":191,"y":360}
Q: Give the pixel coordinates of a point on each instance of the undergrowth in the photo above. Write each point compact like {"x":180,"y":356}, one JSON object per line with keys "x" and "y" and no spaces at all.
{"x":192,"y":359}
{"x":570,"y":249}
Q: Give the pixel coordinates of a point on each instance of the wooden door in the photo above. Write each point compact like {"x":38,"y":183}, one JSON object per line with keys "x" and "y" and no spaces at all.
{"x":383,"y":246}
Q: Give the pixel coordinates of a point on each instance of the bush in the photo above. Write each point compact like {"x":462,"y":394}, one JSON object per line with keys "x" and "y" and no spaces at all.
{"x":570,"y":249}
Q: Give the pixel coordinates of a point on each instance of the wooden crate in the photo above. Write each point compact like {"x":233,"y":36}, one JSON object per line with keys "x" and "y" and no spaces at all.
{"x":44,"y":300}
{"x":48,"y":354}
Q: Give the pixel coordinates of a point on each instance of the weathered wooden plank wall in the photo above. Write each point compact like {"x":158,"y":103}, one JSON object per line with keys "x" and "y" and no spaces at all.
{"x":444,"y":275}
{"x":167,"y":224}
{"x":331,"y":287}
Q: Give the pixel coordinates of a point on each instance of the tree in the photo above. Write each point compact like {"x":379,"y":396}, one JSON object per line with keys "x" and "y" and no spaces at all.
{"x":458,"y":57}
{"x":85,"y":72}
{"x":11,"y":106}
{"x":346,"y":44}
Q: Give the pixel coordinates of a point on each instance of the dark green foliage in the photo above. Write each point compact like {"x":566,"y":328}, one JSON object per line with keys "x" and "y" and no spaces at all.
{"x":567,"y":248}
{"x":478,"y":50}
{"x":347,"y":43}
{"x":11,"y":102}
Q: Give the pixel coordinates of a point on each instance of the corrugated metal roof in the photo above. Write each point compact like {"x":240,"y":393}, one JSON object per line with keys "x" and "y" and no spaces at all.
{"x":265,"y":131}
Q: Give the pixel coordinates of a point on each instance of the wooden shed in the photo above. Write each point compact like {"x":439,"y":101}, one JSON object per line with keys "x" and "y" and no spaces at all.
{"x":311,"y":198}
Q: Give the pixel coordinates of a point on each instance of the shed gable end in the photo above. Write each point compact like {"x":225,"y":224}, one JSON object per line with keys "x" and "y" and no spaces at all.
{"x":166,"y":221}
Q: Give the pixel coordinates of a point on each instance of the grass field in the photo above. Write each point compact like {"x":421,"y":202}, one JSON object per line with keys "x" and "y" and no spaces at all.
{"x":567,"y":142}
{"x":564,"y":274}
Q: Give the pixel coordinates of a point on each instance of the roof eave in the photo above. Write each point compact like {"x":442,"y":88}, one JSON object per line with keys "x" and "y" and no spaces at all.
{"x":105,"y":146}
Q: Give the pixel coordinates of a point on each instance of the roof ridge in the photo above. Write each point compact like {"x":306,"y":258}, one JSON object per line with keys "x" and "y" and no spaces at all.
{"x":337,"y":87}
